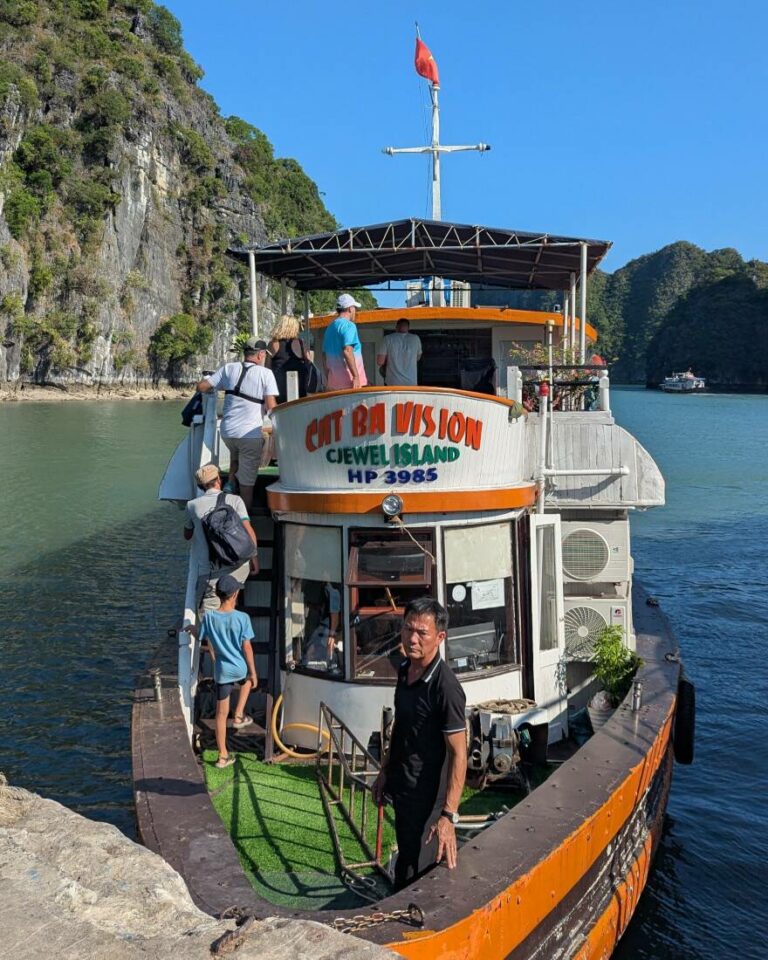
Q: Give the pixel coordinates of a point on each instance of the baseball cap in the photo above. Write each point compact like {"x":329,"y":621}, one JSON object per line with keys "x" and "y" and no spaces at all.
{"x":344,"y":302}
{"x":206,"y":474}
{"x":253,"y":345}
{"x":227,"y":585}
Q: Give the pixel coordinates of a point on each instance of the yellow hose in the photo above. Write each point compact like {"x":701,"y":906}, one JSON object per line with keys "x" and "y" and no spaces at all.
{"x":301,"y":726}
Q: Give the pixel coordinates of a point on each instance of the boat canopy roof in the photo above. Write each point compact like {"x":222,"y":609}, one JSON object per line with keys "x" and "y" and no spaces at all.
{"x":410,"y":249}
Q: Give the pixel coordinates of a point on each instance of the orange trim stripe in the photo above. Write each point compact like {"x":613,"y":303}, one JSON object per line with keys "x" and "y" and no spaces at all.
{"x":611,"y":924}
{"x":422,"y":502}
{"x":447,"y":391}
{"x":478,"y":315}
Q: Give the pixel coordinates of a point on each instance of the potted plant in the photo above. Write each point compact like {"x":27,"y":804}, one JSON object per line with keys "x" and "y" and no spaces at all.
{"x":615,"y":668}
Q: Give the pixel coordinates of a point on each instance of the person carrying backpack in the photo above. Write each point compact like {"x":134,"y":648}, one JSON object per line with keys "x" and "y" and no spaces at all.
{"x":249,"y":389}
{"x":217,"y":524}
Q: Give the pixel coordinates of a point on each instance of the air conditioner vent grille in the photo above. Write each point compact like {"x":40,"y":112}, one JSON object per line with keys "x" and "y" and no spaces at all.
{"x":583,"y":625}
{"x":585,"y":555}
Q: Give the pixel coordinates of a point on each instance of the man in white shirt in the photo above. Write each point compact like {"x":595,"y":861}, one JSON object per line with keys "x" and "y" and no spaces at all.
{"x":249,"y":386}
{"x":400,"y":353}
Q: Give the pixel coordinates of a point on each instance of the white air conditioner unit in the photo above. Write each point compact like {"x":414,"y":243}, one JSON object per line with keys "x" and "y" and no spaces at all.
{"x":461,"y":294}
{"x":595,"y":551}
{"x":415,"y":295}
{"x":585,"y":619}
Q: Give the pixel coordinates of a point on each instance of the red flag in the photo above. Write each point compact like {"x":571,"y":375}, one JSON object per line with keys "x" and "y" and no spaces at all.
{"x":425,"y":63}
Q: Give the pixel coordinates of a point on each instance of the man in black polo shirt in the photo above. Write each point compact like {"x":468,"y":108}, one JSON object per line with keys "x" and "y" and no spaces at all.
{"x":429,"y":727}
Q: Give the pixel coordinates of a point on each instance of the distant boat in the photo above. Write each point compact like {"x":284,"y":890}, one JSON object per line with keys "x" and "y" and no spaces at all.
{"x":683,"y":383}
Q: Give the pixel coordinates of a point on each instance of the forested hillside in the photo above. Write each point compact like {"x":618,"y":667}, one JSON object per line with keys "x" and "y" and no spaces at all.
{"x":121,"y":187}
{"x":682,"y":307}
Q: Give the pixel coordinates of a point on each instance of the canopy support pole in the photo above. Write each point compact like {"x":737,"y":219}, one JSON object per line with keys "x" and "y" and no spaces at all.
{"x":566,"y":320}
{"x":573,"y":313}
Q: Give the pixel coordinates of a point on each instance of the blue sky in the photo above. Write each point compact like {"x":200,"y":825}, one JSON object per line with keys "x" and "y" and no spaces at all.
{"x":640,"y":123}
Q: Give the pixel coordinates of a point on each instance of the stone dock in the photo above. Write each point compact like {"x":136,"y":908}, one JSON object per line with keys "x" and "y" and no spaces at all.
{"x":77,"y":889}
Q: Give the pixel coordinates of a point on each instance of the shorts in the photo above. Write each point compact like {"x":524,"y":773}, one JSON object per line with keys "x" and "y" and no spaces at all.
{"x":224,"y":690}
{"x":338,"y":373}
{"x":248,"y":453}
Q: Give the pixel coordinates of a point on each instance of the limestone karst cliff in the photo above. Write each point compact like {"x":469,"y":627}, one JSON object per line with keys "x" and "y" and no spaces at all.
{"x":121,"y":186}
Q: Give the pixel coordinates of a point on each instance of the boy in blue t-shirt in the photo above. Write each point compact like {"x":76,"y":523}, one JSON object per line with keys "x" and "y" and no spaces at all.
{"x":228,"y":632}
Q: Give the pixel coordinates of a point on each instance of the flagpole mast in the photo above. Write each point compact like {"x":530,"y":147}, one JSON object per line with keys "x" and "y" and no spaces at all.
{"x":429,"y":72}
{"x":436,"y":199}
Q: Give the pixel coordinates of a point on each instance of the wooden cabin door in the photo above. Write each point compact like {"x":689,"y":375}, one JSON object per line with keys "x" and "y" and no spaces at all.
{"x":547,"y":620}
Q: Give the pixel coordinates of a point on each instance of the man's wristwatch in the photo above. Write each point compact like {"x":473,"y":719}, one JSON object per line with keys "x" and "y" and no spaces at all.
{"x":453,"y":817}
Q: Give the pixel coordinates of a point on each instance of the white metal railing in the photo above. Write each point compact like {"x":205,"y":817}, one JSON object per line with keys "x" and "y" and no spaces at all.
{"x":189,"y":642}
{"x":189,"y":647}
{"x":515,"y":385}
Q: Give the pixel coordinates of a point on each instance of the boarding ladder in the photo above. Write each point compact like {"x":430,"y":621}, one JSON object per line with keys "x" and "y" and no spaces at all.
{"x":346,"y":772}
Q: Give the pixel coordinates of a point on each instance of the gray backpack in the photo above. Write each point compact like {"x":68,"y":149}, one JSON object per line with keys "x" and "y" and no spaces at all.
{"x":228,"y":541}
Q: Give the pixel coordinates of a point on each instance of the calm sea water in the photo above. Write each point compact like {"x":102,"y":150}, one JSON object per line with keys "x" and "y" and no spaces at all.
{"x":91,"y":577}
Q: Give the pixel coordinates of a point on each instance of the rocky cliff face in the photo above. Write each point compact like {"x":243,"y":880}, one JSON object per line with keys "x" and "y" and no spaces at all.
{"x":121,"y":187}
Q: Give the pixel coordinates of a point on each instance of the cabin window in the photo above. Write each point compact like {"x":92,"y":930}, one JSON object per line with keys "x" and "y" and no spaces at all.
{"x":480,"y":598}
{"x":386,"y":570}
{"x":314,"y":598}
{"x":545,"y":552}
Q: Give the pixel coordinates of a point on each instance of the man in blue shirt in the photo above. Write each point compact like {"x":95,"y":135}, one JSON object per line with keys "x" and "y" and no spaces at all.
{"x":341,"y":346}
{"x":229,"y":632}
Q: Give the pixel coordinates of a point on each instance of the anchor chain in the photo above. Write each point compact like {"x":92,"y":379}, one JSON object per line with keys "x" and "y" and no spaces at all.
{"x":412,"y":915}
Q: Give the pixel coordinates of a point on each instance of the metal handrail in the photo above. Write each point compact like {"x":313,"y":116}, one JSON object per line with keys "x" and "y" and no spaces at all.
{"x":344,"y":764}
{"x":562,"y":366}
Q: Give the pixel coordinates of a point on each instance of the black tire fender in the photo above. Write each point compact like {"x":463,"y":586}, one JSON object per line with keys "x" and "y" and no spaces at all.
{"x":684,"y":729}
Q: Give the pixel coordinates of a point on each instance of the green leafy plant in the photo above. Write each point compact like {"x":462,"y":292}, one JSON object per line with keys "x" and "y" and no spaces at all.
{"x":176,"y":341}
{"x":12,"y":75}
{"x":21,"y":210}
{"x":19,"y":13}
{"x":166,"y":30}
{"x":615,"y":664}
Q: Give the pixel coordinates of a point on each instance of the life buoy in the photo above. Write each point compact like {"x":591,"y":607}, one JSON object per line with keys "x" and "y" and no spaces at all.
{"x":685,"y":721}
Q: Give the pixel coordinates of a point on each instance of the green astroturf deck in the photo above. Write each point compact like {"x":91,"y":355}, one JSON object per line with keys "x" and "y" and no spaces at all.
{"x":275,"y":816}
{"x":276,"y":819}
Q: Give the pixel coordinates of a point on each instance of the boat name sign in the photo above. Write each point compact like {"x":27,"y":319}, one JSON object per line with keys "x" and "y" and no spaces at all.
{"x":441,"y":440}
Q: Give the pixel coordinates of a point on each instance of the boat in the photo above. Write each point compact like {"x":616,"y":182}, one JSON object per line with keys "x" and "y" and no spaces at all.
{"x":683,"y":383}
{"x":500,"y":486}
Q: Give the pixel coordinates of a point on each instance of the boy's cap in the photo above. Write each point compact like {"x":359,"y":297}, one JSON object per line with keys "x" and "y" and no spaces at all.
{"x":253,"y":345}
{"x":227,"y":585}
{"x":206,"y":474}
{"x":345,"y":301}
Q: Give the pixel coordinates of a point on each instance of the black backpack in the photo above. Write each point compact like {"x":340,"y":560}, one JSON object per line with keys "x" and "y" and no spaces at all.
{"x":228,"y":541}
{"x":309,"y":380}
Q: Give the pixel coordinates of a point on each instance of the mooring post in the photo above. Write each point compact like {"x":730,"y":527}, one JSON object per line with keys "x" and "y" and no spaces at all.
{"x":157,"y":683}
